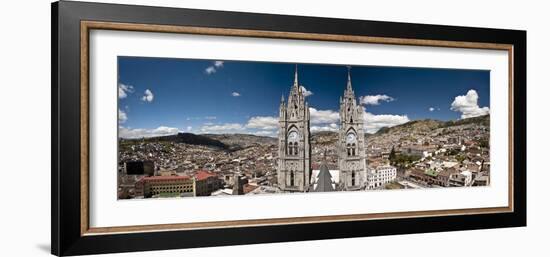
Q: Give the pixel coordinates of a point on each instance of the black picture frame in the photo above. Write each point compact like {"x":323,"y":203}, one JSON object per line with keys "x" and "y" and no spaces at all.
{"x":66,"y":237}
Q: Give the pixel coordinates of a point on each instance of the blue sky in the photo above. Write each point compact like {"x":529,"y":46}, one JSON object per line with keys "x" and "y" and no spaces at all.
{"x":159,"y":96}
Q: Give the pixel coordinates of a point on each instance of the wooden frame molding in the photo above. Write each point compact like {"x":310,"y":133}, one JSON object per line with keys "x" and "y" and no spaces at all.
{"x":85,"y":28}
{"x":72,"y":232}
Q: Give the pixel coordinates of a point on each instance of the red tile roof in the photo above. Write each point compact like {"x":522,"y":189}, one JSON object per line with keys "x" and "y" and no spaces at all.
{"x":247,"y":188}
{"x":163,"y":178}
{"x":203,"y":174}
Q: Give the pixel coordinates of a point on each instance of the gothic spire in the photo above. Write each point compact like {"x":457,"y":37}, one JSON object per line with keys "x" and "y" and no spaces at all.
{"x":296,"y":75}
{"x":349,"y":79}
{"x":282,"y":97}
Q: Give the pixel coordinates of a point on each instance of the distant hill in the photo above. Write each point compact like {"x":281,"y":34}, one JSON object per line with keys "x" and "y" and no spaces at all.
{"x":187,"y":138}
{"x":229,"y":142}
{"x":428,"y":125}
{"x":324,"y":138}
{"x":484,"y":120}
{"x":416,"y":125}
{"x":235,"y":141}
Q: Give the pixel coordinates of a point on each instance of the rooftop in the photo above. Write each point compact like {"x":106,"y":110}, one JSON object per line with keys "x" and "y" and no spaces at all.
{"x":431,"y":172}
{"x":163,"y":178}
{"x":204,"y":174}
{"x":324,"y":181}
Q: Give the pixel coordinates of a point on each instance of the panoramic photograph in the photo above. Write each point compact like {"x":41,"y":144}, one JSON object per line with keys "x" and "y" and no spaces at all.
{"x":193,"y":128}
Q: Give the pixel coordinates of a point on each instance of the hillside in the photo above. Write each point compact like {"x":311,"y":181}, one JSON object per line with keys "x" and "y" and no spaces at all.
{"x":416,"y":125}
{"x":234,"y":141}
{"x":484,"y":120}
{"x":429,"y":125}
{"x":323,"y":138}
{"x":186,"y":138}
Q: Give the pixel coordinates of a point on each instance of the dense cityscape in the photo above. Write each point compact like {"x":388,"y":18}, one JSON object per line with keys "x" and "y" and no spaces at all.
{"x":418,"y":154}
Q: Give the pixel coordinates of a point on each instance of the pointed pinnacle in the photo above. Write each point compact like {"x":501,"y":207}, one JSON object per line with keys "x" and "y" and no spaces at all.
{"x":296,"y":75}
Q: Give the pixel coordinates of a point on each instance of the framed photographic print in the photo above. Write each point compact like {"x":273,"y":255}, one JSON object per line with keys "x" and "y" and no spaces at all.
{"x":178,"y":128}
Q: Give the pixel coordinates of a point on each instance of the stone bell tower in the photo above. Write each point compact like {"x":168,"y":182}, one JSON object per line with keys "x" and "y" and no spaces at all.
{"x":351,"y":141}
{"x":294,"y":163}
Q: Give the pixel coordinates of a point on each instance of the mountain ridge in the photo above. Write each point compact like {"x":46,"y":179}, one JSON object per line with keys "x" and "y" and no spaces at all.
{"x":430,"y":124}
{"x":239,"y":141}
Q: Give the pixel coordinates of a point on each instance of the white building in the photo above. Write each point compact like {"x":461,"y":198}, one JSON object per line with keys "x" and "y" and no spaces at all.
{"x":377,"y":177}
{"x":464,"y":178}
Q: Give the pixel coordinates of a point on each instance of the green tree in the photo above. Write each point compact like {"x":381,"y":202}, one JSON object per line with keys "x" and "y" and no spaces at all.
{"x":392,"y":155}
{"x":484,"y":143}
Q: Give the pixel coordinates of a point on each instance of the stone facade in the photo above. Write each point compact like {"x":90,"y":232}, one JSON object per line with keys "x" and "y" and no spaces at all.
{"x":351,"y":142}
{"x":294,"y":164}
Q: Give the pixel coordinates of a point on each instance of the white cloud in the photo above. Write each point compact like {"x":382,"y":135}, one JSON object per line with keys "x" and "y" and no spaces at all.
{"x":210,"y":70}
{"x":122,"y":117}
{"x":263,"y":122}
{"x":431,"y":109}
{"x":148,"y":96}
{"x":265,"y":133}
{"x":374,"y":99}
{"x":222,"y":128}
{"x":140,"y":133}
{"x":375,"y":122}
{"x":124,"y":90}
{"x":323,"y":116}
{"x":329,"y":127}
{"x":189,"y":128}
{"x":306,"y":92}
{"x":467,"y":105}
{"x":214,"y":67}
{"x":260,"y":126}
{"x":235,"y":94}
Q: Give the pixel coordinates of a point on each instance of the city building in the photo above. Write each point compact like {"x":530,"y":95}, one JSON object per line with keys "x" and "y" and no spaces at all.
{"x":206,"y":182}
{"x":421,"y":151}
{"x":165,"y":185}
{"x":238,"y":184}
{"x":481,"y":181}
{"x":223,"y":192}
{"x":146,"y":168}
{"x":464,"y":178}
{"x":294,"y":164}
{"x":444,"y":176}
{"x":351,"y":143}
{"x":380,"y":175}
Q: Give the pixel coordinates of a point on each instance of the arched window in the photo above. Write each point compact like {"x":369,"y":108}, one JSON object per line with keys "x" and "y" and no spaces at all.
{"x":293,"y":148}
{"x":291,"y":178}
{"x":353,"y":149}
{"x":293,"y":138}
{"x":352,"y":178}
{"x":348,"y":148}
